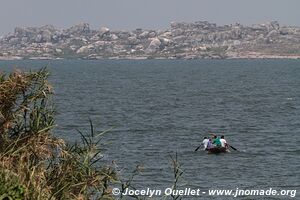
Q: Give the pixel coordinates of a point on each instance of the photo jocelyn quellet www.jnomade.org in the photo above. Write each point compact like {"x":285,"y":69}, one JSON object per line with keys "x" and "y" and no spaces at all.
{"x":188,"y":192}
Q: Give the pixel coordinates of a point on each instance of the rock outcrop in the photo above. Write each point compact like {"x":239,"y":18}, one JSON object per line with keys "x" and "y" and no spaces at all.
{"x":181,"y":41}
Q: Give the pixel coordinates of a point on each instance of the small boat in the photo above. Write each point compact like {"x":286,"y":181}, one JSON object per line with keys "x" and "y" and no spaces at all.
{"x":217,"y":150}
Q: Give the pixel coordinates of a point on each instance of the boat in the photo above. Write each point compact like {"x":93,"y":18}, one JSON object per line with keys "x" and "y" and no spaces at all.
{"x":217,"y":150}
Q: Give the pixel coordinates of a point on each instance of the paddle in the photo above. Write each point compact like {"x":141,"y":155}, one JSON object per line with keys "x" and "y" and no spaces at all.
{"x":233,"y":147}
{"x":198,"y":147}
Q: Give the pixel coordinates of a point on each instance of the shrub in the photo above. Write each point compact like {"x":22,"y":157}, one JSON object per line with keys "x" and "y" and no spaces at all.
{"x":37,"y":164}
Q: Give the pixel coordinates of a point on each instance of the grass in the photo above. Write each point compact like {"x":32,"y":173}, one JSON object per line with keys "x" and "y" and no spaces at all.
{"x":33,"y":163}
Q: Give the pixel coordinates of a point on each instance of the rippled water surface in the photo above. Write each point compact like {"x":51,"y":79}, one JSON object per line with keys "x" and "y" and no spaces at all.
{"x":159,"y":107}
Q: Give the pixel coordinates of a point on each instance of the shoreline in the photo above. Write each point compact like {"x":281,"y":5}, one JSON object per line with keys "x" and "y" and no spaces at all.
{"x":244,"y":57}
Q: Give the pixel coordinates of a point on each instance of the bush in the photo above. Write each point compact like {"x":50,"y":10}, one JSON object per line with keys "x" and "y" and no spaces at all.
{"x":10,"y":186}
{"x":37,"y":164}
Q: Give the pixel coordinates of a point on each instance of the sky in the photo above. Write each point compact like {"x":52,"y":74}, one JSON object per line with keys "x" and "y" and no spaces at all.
{"x":146,"y":14}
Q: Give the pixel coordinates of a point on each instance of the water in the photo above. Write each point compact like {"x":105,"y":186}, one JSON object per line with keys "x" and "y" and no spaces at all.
{"x":159,"y":107}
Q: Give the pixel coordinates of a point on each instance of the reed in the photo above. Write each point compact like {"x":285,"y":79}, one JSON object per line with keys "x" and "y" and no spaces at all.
{"x":34,"y":164}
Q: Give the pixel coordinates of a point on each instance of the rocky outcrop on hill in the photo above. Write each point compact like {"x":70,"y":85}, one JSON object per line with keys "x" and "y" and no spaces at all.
{"x":180,"y":41}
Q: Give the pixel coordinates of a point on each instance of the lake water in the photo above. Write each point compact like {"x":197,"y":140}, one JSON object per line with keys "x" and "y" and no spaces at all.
{"x":159,"y":107}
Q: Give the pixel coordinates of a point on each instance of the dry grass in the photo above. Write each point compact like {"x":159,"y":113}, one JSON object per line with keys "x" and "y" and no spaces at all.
{"x":33,"y":163}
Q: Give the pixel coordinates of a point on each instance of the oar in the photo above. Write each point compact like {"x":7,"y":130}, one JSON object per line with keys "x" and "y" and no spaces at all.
{"x":233,"y":147}
{"x":198,"y":147}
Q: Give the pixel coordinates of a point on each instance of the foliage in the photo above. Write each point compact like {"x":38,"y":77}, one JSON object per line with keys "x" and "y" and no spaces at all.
{"x":10,"y":186}
{"x":37,"y":164}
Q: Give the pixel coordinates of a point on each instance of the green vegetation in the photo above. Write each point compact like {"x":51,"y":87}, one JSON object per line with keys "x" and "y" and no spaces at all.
{"x":33,"y":163}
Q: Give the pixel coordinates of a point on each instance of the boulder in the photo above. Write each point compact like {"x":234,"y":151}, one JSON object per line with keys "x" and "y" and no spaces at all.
{"x":177,"y":32}
{"x":165,"y":41}
{"x":174,"y":24}
{"x":73,"y":47}
{"x":55,"y":38}
{"x":166,"y":34}
{"x":139,"y":47}
{"x":138,"y":31}
{"x":103,"y":31}
{"x":20,"y":32}
{"x":47,"y":28}
{"x":225,"y":35}
{"x":13,"y":41}
{"x":100,"y":43}
{"x":272,"y":34}
{"x":39,"y":38}
{"x":133,"y":40}
{"x":288,"y":31}
{"x":119,"y":49}
{"x":179,"y":39}
{"x":237,"y":33}
{"x":47,"y":36}
{"x":79,"y":29}
{"x":114,"y":37}
{"x":260,"y":39}
{"x":58,"y":51}
{"x":85,"y":49}
{"x":152,"y":34}
{"x":258,"y":27}
{"x":179,"y":25}
{"x":24,"y":40}
{"x":154,"y":45}
{"x":274,"y":25}
{"x":236,"y":42}
{"x":26,"y":32}
{"x":144,"y":34}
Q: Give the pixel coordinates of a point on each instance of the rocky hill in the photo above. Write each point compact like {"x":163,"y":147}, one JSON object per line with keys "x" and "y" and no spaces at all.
{"x":180,"y":41}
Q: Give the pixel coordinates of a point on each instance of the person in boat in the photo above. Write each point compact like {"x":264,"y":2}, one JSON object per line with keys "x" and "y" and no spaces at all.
{"x":223,"y":142}
{"x":205,"y":142}
{"x":216,"y":141}
{"x":209,"y":144}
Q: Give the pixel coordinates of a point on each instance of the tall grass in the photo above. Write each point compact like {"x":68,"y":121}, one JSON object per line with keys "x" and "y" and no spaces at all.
{"x":33,"y":163}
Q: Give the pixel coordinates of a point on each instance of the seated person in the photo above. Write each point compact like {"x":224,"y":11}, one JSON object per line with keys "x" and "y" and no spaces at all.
{"x":216,"y":141}
{"x":209,"y":144}
{"x":205,"y":142}
{"x":223,"y":142}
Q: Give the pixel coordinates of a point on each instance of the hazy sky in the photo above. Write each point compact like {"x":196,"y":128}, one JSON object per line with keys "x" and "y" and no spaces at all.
{"x":131,"y":14}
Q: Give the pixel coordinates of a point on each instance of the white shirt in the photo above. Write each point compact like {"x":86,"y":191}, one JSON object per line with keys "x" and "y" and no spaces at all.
{"x":223,"y":142}
{"x":205,"y":143}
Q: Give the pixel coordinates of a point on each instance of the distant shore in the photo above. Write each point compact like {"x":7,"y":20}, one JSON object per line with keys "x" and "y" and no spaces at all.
{"x":198,"y":40}
{"x":250,"y":56}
